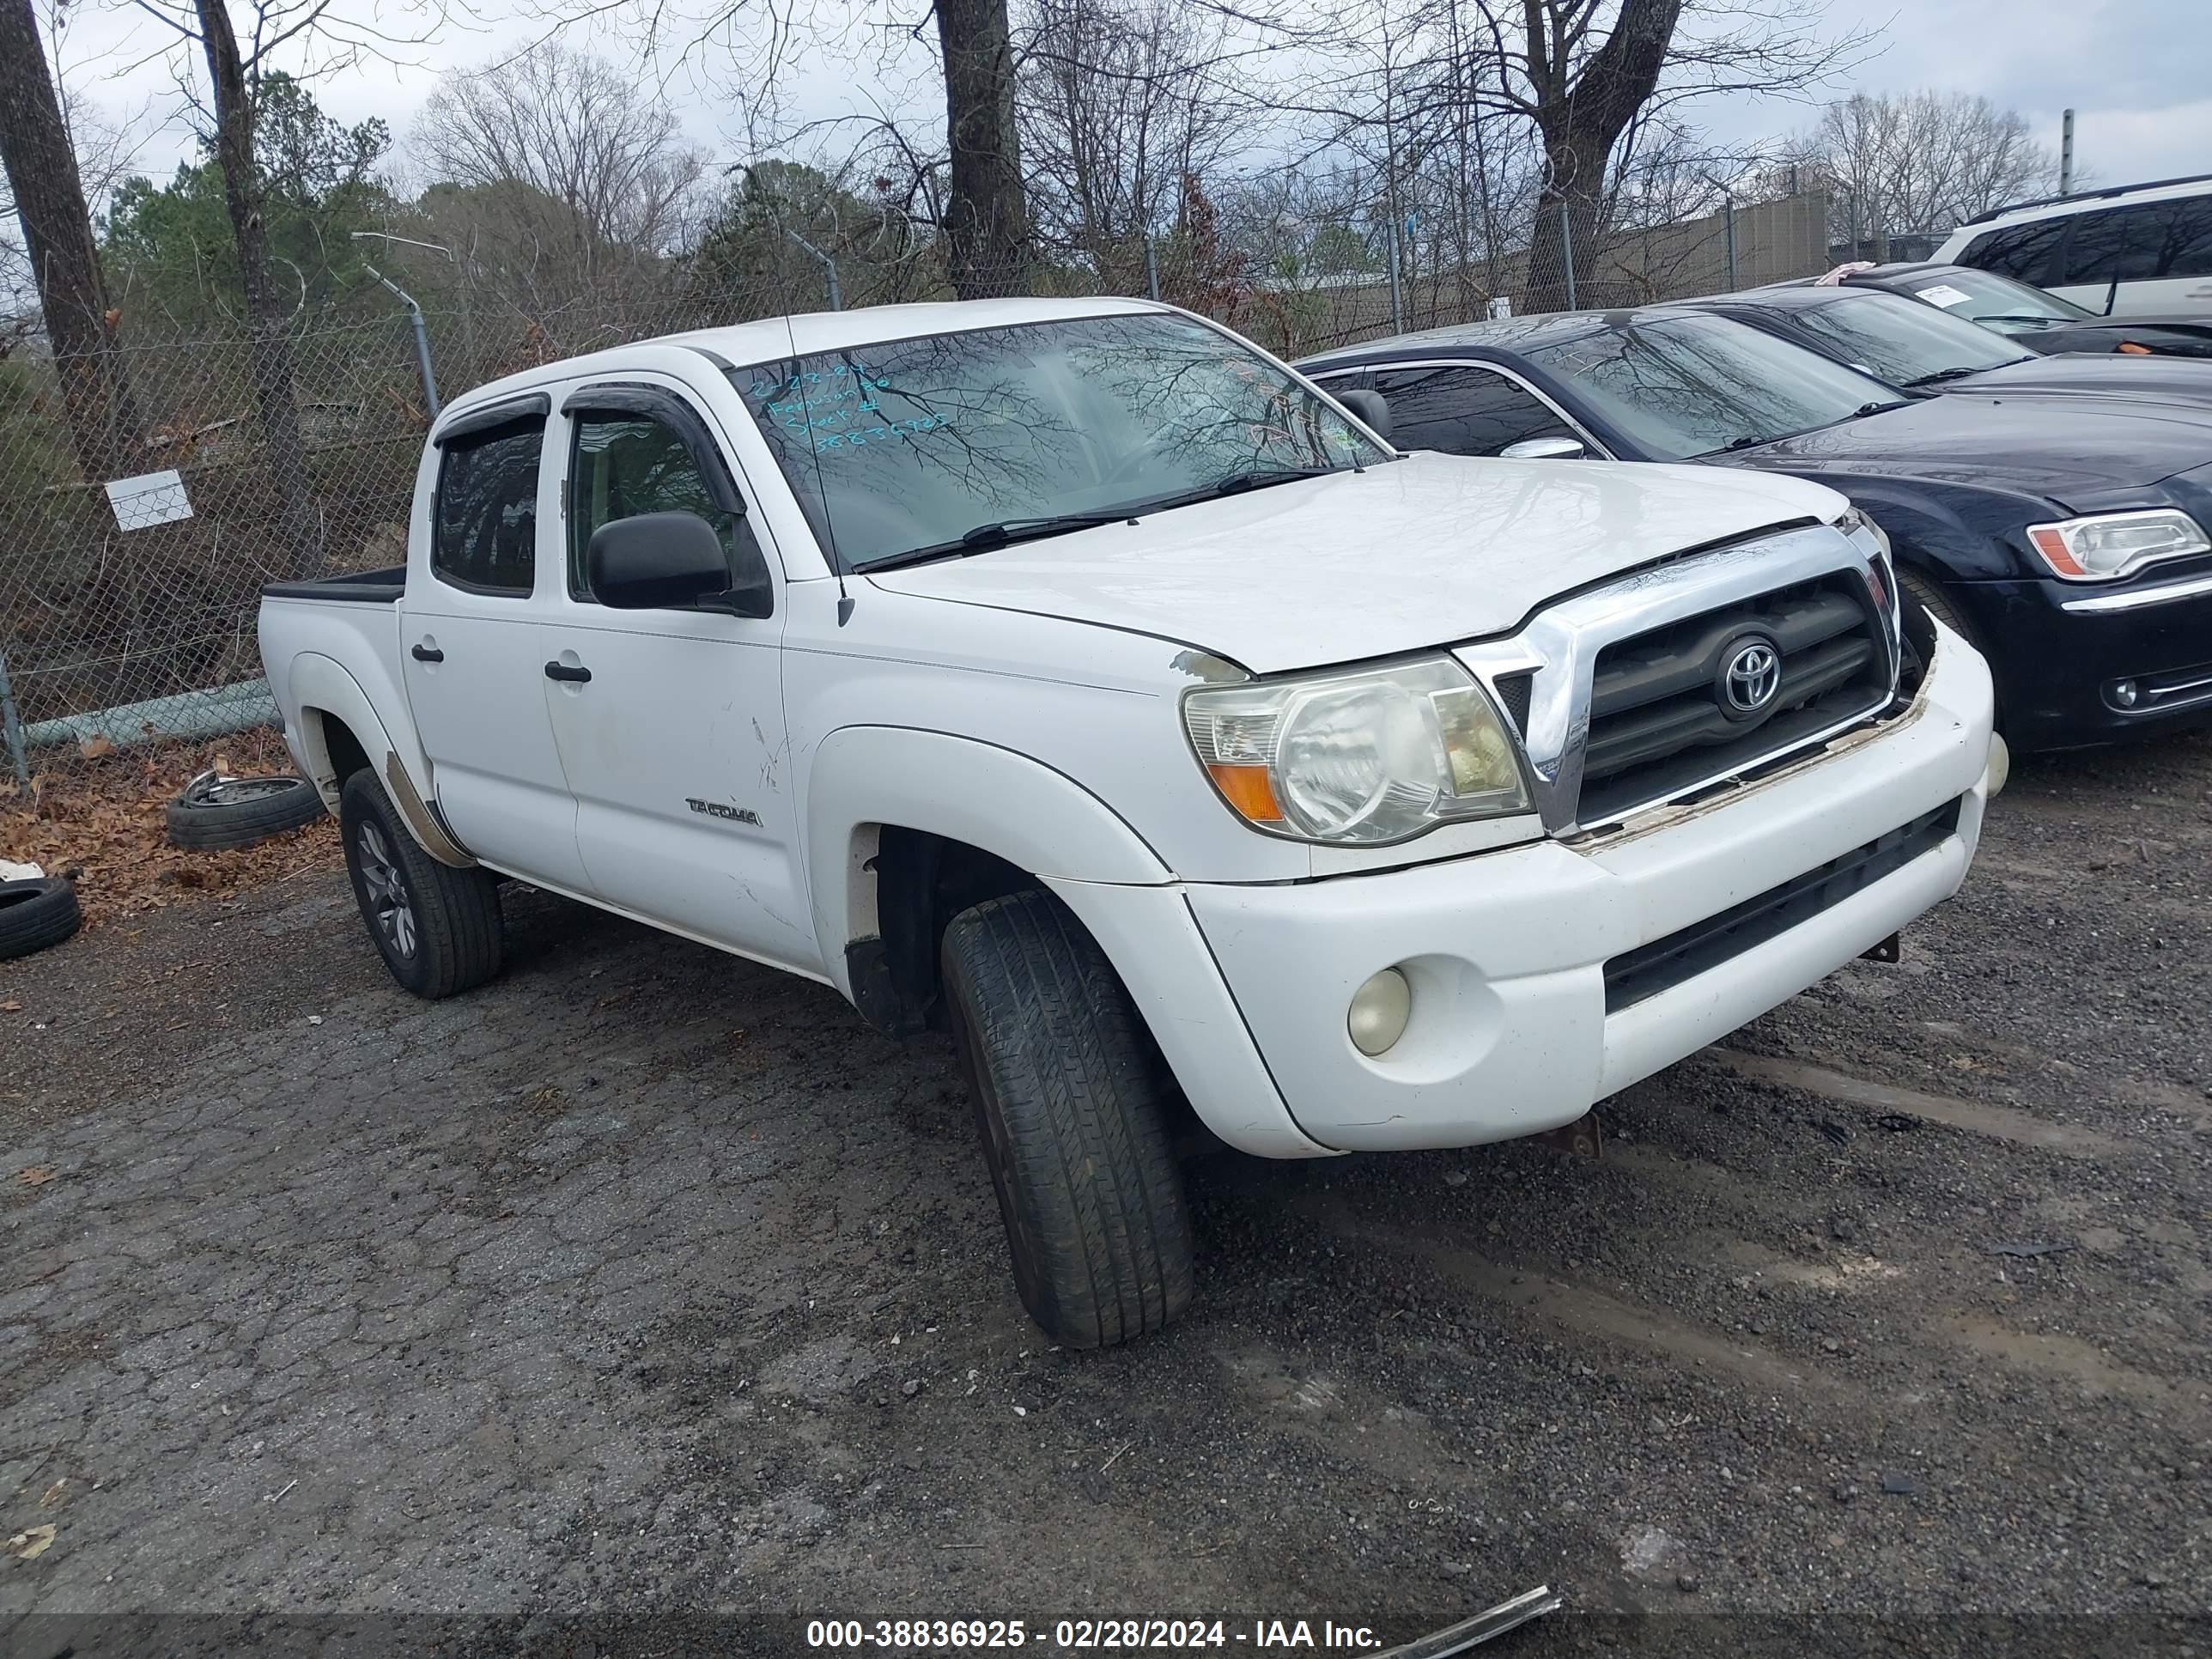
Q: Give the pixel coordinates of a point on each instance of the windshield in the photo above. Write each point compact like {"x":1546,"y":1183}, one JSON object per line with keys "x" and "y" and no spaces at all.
{"x":1687,"y":385}
{"x":1994,"y":301}
{"x":916,"y":444}
{"x":1905,"y":343}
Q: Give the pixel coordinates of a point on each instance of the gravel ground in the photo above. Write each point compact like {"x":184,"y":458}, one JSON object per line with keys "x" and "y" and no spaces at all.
{"x":649,"y":1289}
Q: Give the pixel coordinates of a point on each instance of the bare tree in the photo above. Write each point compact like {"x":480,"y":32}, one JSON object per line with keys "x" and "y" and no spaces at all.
{"x":59,"y":247}
{"x":1118,"y":105}
{"x":238,"y":73}
{"x":1920,"y":161}
{"x":575,"y":131}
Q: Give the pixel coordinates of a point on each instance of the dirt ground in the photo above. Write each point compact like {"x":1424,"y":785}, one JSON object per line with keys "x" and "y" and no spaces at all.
{"x":644,"y":1302}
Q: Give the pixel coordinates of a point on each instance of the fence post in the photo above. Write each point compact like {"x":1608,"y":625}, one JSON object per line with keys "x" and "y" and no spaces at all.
{"x":422,"y":337}
{"x":11,"y":728}
{"x":1151,"y":269}
{"x":1567,"y":249}
{"x":1728,"y":218}
{"x":1397,"y":300}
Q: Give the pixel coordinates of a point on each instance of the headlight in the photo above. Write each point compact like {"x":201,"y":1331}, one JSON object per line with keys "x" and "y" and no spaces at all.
{"x":1362,"y":758}
{"x":2115,"y":543}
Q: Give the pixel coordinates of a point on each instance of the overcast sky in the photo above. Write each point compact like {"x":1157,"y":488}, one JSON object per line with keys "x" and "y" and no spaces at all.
{"x":2133,"y":70}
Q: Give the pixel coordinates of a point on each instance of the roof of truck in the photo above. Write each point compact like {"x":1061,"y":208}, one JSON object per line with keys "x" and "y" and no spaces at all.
{"x":774,"y":339}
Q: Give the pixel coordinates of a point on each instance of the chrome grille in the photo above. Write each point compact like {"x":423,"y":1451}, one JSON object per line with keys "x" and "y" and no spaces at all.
{"x":1617,"y":688}
{"x":1667,"y":711}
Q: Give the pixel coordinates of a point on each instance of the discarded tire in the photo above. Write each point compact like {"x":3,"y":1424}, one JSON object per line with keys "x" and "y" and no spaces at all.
{"x":217,"y":812}
{"x":34,"y":914}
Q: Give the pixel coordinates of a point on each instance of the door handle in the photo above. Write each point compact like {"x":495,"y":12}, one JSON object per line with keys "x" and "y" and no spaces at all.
{"x":561,"y":670}
{"x":427,"y":653}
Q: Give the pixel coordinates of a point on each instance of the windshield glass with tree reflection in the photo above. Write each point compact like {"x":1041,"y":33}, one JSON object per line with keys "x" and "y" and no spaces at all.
{"x":1679,"y":387}
{"x":912,"y":444}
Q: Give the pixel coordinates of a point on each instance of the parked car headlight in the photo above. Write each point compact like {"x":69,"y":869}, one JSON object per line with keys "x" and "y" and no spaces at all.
{"x":2115,"y":543}
{"x":1364,"y":756}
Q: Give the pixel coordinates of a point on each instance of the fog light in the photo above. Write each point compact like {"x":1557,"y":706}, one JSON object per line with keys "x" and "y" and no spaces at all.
{"x":1380,"y":1009}
{"x":2123,"y":693}
{"x":2000,"y":766}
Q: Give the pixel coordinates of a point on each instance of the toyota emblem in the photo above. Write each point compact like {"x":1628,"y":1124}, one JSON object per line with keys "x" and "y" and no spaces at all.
{"x":1750,"y":675}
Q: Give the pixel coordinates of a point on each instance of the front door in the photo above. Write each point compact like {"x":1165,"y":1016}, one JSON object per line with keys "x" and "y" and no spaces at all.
{"x":473,"y":650}
{"x":675,"y":746}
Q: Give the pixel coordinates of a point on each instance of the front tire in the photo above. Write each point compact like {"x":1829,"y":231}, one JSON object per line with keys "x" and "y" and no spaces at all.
{"x":437,"y":928}
{"x":1072,"y":1100}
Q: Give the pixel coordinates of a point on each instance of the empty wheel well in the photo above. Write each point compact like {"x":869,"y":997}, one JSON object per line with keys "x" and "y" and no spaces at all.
{"x":347,"y":756}
{"x":922,"y":881}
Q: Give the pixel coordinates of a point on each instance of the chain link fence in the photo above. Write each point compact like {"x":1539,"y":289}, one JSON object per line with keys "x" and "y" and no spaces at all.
{"x":128,"y":603}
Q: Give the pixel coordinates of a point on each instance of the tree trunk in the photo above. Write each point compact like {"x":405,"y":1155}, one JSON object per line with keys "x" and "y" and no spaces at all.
{"x":1570,"y":229}
{"x":986,"y":215}
{"x":298,"y":526}
{"x":1581,"y":120}
{"x":41,"y":167}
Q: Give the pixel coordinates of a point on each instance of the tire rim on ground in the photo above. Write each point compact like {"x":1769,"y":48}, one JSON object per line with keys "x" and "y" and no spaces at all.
{"x":389,"y":907}
{"x":236,"y":791}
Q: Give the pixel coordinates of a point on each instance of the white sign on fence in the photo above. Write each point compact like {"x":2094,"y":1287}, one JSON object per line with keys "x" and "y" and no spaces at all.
{"x":151,"y":498}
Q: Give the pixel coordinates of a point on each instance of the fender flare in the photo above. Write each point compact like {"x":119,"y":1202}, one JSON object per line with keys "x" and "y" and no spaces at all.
{"x":1000,"y":801}
{"x":321,"y":685}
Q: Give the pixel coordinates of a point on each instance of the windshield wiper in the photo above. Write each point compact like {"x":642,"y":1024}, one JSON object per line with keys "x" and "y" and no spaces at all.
{"x":1958,"y":373}
{"x":999,"y":532}
{"x":1237,"y":483}
{"x":1881,"y":408}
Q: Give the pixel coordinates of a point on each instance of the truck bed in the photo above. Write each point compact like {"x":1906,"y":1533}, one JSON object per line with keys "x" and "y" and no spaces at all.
{"x":361,"y":587}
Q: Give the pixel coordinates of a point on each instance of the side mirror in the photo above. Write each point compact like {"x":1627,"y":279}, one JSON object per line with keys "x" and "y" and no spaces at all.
{"x":1546,"y":449}
{"x":671,"y":561}
{"x":1372,"y":409}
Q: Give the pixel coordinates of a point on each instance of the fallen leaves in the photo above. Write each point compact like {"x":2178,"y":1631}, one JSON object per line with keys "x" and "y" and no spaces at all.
{"x":104,"y":824}
{"x":37,"y":1175}
{"x":11,"y":1006}
{"x":31,"y":1543}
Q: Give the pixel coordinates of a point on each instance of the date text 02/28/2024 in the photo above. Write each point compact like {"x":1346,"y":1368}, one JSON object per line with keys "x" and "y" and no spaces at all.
{"x":1083,"y":1635}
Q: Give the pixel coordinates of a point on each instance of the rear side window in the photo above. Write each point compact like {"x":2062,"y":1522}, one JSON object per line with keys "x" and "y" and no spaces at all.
{"x":2190,"y":238}
{"x":2118,"y":245}
{"x":1464,"y":411}
{"x":2026,"y":253}
{"x":485,"y":534}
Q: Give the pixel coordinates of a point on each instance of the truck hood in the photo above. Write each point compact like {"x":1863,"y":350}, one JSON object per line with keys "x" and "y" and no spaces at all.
{"x":2054,"y":447}
{"x":1430,"y":550}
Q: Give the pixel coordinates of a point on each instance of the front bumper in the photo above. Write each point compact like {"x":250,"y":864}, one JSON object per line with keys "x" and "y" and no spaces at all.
{"x":1507,"y":951}
{"x":2064,"y":650}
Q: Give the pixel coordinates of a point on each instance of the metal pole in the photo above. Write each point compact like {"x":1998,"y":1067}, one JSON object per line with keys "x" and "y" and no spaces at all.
{"x":1151,"y":269}
{"x":1397,"y":300}
{"x":422,"y":337}
{"x":1728,"y":218}
{"x":829,"y":265}
{"x":1567,"y":248}
{"x":2066,"y":153}
{"x":11,"y":728}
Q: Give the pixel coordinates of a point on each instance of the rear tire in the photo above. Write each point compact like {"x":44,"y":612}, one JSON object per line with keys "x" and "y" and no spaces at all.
{"x":1071,"y":1098}
{"x":438,"y":928}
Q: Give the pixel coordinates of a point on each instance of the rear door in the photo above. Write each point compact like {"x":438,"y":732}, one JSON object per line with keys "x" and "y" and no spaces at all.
{"x":2141,"y":259}
{"x":675,"y":745}
{"x":473,"y":649}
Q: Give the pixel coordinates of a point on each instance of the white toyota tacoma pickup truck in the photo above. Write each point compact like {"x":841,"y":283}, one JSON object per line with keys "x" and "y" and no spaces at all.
{"x":1074,"y":676}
